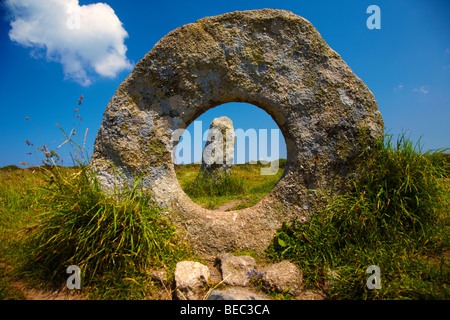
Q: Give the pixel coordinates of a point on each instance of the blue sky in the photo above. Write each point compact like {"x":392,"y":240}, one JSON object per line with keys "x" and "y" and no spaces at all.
{"x":44,"y":71}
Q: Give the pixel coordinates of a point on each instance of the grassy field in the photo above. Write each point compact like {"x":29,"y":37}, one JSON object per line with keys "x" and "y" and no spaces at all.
{"x":19,"y":207}
{"x":245,"y":186}
{"x":53,"y":218}
{"x":396,"y":216}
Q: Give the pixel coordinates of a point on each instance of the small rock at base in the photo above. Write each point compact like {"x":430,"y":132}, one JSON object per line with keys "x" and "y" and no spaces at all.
{"x":190,"y":278}
{"x":236,"y":293}
{"x":281,"y":277}
{"x":236,"y":270}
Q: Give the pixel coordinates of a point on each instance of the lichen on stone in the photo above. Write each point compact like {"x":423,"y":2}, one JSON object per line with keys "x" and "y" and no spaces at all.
{"x":273,"y":59}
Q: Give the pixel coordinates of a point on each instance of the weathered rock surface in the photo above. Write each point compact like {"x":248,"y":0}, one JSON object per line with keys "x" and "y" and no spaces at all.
{"x":190,"y":278}
{"x":240,"y":278}
{"x":236,"y":293}
{"x":282,"y":277}
{"x":218,"y":153}
{"x":236,"y":270}
{"x":273,"y":59}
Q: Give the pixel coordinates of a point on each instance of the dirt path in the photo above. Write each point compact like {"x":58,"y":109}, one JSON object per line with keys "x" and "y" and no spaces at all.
{"x":18,"y":289}
{"x":39,"y":294}
{"x":229,"y":205}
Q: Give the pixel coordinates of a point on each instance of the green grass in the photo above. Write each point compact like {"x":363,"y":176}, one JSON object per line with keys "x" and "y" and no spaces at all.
{"x":244,"y":183}
{"x":396,"y":217}
{"x":114,"y":238}
{"x":220,"y":185}
{"x":52,"y":217}
{"x":102,"y":233}
{"x":18,"y":207}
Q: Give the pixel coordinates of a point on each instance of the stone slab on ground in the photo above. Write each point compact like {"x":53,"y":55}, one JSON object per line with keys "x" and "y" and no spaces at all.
{"x":236,"y":293}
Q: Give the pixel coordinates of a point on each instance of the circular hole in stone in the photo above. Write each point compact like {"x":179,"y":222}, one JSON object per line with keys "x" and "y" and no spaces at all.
{"x":258,"y":160}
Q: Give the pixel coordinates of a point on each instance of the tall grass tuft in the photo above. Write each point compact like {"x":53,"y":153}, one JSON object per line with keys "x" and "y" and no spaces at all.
{"x":206,"y":184}
{"x":101,"y":233}
{"x":114,"y":237}
{"x":395,"y":216}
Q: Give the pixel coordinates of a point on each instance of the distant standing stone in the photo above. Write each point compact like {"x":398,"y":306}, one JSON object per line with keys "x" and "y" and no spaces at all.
{"x":218,"y":153}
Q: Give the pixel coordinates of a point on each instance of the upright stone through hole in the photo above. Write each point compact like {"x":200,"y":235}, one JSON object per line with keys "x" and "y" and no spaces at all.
{"x":218,"y":154}
{"x":231,"y":157}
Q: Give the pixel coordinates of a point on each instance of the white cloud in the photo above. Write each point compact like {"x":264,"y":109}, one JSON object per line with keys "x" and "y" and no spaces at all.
{"x":422,"y":89}
{"x":398,"y":88}
{"x":84,"y":39}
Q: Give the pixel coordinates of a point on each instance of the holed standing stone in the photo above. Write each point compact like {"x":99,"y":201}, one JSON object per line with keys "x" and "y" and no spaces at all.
{"x":273,"y":59}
